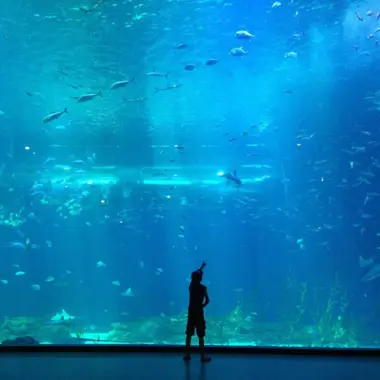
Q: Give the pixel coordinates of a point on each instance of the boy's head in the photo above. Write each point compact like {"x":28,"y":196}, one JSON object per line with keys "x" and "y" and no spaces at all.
{"x":196,"y":277}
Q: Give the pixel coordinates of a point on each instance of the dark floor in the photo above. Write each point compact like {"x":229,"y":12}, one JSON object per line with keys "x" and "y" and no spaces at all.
{"x":155,"y":366}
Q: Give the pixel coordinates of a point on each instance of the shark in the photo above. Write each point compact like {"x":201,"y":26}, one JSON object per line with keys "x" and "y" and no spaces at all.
{"x":232,"y":177}
{"x":61,"y":319}
{"x":373,"y":273}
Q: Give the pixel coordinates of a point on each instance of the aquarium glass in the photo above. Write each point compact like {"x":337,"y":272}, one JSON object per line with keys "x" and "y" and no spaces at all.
{"x":140,"y":138}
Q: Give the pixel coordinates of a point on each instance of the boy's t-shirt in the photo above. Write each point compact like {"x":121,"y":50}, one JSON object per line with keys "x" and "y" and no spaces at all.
{"x":197,"y":296}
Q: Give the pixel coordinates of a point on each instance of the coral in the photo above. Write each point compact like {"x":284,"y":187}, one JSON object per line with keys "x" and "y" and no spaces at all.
{"x":219,"y":332}
{"x":79,"y":333}
{"x":35,"y":327}
{"x":236,"y":316}
{"x":20,"y":326}
{"x":328,"y":309}
{"x":120,"y":332}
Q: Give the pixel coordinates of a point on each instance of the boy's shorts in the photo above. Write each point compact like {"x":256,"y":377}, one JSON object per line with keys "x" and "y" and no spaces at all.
{"x":196,"y":321}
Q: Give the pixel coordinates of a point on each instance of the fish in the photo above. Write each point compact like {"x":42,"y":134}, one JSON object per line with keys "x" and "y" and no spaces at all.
{"x":373,"y":273}
{"x":135,"y":100}
{"x":157,"y":74}
{"x":61,"y":322}
{"x":54,"y":116}
{"x":232,"y":177}
{"x":365,"y":262}
{"x":244,"y":35}
{"x":88,"y":97}
{"x":121,"y":83}
{"x":85,"y":9}
{"x":181,"y":46}
{"x":360,"y":18}
{"x":61,"y":319}
{"x":15,"y":245}
{"x":48,"y":160}
{"x":291,"y":54}
{"x":211,"y":62}
{"x":128,"y":293}
{"x":167,"y":88}
{"x":238,"y":52}
{"x":190,"y":67}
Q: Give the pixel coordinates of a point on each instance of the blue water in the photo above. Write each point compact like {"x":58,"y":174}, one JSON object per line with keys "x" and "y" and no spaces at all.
{"x":107,"y":209}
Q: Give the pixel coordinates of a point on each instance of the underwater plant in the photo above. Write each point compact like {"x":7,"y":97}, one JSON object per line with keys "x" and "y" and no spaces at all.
{"x":330,"y":320}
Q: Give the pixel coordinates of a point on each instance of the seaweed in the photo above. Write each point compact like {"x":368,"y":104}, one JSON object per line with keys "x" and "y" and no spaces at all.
{"x":331,"y":320}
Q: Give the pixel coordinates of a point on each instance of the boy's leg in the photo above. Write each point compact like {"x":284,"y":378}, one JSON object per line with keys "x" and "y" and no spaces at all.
{"x":201,"y":341}
{"x":204,"y":357}
{"x":187,"y":347}
{"x":189,"y":333}
{"x":201,"y":332}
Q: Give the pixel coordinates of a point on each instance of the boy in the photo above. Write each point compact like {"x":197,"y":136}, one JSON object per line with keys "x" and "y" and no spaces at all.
{"x":195,"y":318}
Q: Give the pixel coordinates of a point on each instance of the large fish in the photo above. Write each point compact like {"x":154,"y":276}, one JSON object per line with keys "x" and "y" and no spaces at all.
{"x":88,"y":97}
{"x":156,"y":74}
{"x":121,"y":83}
{"x":61,"y":319}
{"x":54,"y":116}
{"x":232,"y":177}
{"x":373,"y":273}
{"x":61,"y":322}
{"x":365,"y":262}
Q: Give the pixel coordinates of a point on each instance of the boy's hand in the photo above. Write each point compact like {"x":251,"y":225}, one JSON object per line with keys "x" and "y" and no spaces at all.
{"x":203,"y":264}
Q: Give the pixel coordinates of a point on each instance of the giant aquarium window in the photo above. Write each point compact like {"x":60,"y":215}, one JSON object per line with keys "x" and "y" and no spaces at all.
{"x":139,"y":139}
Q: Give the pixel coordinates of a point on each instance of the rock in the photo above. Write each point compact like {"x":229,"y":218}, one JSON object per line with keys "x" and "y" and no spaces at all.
{"x":20,"y":341}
